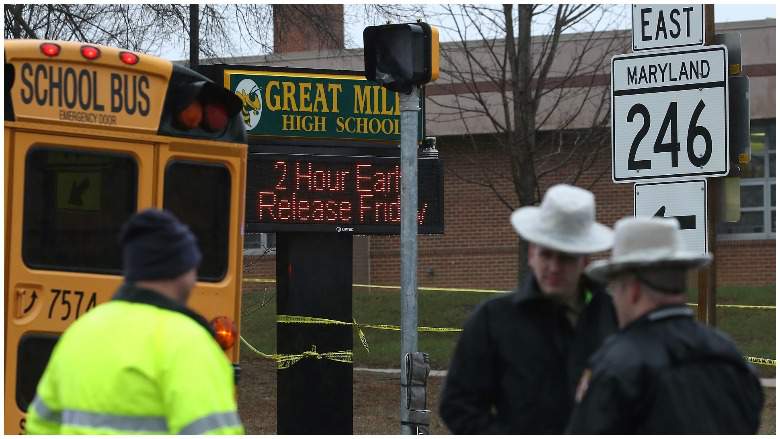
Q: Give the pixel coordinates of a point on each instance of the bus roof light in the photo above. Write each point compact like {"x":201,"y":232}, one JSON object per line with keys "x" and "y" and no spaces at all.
{"x":90,"y":52}
{"x":225,"y":332}
{"x":129,"y":58}
{"x":50,"y":49}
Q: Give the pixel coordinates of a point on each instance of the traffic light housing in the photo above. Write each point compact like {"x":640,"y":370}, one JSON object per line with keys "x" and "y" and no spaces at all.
{"x":197,"y":107}
{"x":401,"y":56}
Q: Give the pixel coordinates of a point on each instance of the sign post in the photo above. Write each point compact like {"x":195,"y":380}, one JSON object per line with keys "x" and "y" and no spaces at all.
{"x":706,"y":311}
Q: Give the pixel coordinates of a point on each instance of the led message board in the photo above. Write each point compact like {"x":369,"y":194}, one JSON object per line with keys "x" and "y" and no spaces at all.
{"x":361,"y":195}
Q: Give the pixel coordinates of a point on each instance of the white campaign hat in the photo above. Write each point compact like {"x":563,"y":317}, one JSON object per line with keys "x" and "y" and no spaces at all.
{"x":646,"y":242}
{"x":565,"y":221}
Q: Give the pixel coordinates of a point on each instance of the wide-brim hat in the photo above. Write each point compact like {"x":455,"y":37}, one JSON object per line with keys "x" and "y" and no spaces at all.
{"x":565,"y":221}
{"x":646,"y":243}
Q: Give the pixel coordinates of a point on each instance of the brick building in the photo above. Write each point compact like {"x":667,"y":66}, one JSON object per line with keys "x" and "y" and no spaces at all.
{"x":479,"y":247}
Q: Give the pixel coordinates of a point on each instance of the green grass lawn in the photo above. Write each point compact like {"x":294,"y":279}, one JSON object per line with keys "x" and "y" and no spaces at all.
{"x":752,"y":330}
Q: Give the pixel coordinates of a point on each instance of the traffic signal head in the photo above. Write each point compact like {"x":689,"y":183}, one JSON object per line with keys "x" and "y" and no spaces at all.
{"x":401,"y":56}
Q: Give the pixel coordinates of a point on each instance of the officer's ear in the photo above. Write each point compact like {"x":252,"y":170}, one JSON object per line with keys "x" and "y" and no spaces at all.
{"x":634,"y":292}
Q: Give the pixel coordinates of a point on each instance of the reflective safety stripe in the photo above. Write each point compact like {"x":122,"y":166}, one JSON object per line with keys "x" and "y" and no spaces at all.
{"x":211,"y":422}
{"x":156,"y":424}
{"x":45,"y":412}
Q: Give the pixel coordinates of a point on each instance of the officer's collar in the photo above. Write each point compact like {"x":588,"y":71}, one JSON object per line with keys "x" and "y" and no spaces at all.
{"x":663,"y":313}
{"x":133,"y":293}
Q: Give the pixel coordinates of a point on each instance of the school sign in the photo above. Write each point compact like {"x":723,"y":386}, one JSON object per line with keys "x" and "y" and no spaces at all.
{"x":317,"y":106}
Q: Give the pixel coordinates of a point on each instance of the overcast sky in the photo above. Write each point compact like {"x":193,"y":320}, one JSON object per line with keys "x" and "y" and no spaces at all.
{"x":354,"y":29}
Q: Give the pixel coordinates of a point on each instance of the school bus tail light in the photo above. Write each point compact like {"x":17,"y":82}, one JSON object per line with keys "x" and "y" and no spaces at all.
{"x":216,"y":117}
{"x":191,"y":116}
{"x":225,"y":331}
{"x":50,"y":49}
{"x":197,"y":107}
{"x":128,"y":58}
{"x":90,"y":52}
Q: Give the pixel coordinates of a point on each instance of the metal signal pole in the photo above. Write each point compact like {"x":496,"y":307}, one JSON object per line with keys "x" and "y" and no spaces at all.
{"x":410,"y":107}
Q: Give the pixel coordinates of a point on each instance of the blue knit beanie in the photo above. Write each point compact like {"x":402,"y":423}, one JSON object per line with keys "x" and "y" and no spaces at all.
{"x":155,"y":245}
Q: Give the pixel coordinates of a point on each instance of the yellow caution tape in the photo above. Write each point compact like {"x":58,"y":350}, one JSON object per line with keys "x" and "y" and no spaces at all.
{"x":475,"y":290}
{"x":725,"y":305}
{"x":284,"y":361}
{"x":282,"y":318}
{"x":259,"y":280}
{"x":322,"y":321}
{"x":762,"y":361}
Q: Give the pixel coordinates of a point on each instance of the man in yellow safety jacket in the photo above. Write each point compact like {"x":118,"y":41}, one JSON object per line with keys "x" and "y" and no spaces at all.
{"x":143,"y":362}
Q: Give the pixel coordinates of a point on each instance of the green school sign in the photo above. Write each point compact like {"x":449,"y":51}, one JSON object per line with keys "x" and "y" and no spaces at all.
{"x":316,"y":106}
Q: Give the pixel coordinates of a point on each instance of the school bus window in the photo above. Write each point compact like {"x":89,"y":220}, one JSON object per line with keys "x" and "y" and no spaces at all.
{"x":31,"y":359}
{"x":75,"y":203}
{"x":199,"y":195}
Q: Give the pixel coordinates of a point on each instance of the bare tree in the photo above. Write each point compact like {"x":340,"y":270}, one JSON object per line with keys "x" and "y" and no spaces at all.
{"x":225,"y":29}
{"x":542,"y":101}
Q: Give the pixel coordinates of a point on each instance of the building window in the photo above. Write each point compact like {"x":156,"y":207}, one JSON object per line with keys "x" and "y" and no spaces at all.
{"x":757,"y":186}
{"x":259,"y":244}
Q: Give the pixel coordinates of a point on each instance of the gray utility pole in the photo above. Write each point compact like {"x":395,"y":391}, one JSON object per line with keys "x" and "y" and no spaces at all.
{"x":410,"y":107}
{"x":194,"y":35}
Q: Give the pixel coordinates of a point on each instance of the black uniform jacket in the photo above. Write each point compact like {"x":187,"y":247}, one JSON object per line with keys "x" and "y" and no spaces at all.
{"x":667,"y":374}
{"x":518,"y":360}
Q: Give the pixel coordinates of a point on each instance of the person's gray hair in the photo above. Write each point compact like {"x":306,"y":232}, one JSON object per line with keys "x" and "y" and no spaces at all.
{"x":666,"y":280}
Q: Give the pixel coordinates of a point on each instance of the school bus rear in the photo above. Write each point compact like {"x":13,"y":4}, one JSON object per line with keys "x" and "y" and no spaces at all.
{"x":93,"y":134}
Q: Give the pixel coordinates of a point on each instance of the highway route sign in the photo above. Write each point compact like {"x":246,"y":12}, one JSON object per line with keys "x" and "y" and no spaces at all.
{"x":670,"y":114}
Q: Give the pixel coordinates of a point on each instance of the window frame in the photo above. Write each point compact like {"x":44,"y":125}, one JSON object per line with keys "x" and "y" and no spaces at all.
{"x":264,"y":249}
{"x":767,"y":181}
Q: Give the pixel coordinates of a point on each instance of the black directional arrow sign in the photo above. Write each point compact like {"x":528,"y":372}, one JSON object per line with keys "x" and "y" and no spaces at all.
{"x":684,"y":200}
{"x":687,"y":222}
{"x":29,"y":307}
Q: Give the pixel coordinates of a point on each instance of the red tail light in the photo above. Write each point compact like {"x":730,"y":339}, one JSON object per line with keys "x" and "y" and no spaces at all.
{"x":128,"y":58}
{"x":226,"y":332}
{"x":191,"y":116}
{"x":90,"y":52}
{"x":216,"y":117}
{"x":50,"y":49}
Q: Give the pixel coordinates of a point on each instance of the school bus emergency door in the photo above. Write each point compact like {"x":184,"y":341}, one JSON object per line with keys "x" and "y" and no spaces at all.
{"x":79,"y":162}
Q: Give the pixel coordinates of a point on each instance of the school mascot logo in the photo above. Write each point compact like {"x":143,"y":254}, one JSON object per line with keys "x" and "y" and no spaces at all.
{"x":252,"y":106}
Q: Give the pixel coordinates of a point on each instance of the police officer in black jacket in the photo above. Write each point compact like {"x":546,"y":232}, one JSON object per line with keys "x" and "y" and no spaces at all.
{"x":518,"y":360}
{"x":663,"y":373}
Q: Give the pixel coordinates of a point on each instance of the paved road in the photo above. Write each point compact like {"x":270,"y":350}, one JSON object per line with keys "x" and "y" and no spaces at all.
{"x":766,"y":382}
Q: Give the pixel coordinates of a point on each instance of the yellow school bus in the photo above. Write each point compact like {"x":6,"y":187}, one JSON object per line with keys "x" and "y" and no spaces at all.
{"x":92,"y":135}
